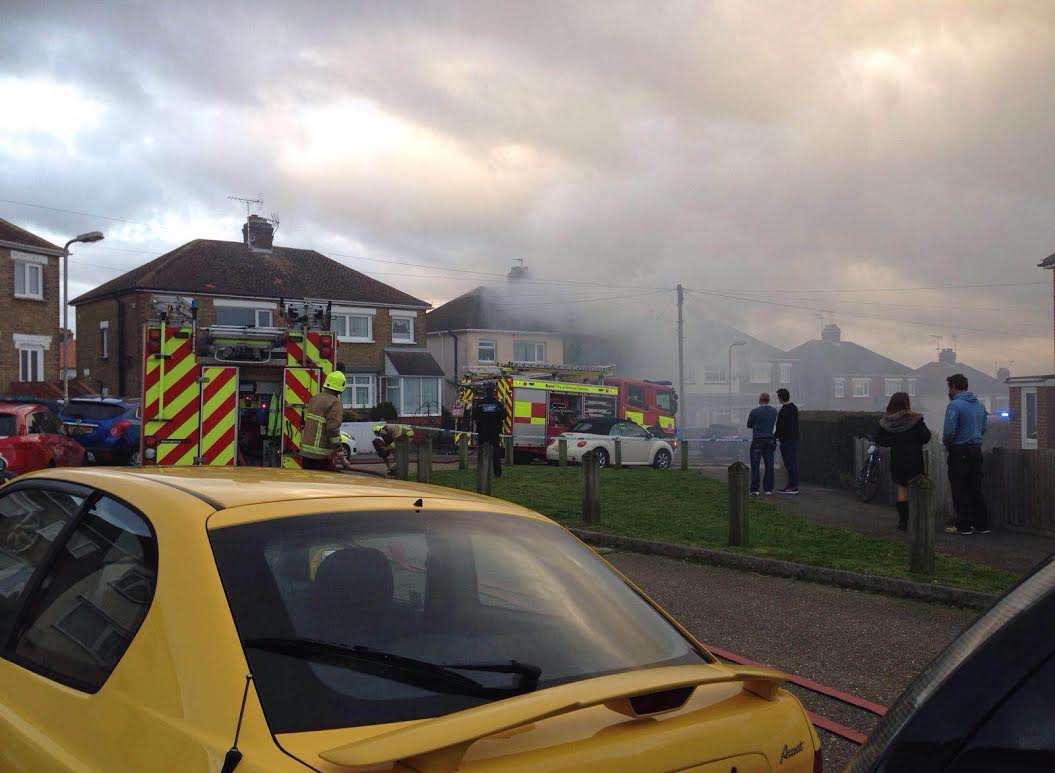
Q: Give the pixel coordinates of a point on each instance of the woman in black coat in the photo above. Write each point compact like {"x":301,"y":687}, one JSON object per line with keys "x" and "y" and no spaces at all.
{"x":904,"y":433}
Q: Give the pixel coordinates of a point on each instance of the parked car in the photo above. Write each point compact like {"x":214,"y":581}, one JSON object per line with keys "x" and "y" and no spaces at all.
{"x":107,"y":427}
{"x":638,"y":445}
{"x":385,"y":625}
{"x":348,"y":444}
{"x":985,"y":703}
{"x":32,"y":437}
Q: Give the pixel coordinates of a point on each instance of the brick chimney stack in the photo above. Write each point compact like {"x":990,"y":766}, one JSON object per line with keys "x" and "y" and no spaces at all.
{"x":258,"y":234}
{"x":947,"y":357}
{"x":832,"y":334}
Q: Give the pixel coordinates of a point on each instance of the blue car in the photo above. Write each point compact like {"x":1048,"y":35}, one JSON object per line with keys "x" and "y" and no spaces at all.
{"x":107,"y":427}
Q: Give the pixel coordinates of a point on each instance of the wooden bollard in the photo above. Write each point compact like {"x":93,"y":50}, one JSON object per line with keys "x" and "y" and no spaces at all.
{"x":683,"y":450}
{"x":402,"y":458}
{"x":591,"y":488}
{"x":463,"y":452}
{"x":562,"y":451}
{"x":425,"y":458}
{"x":484,"y":468}
{"x":508,"y":445}
{"x":920,"y":527}
{"x":617,"y":455}
{"x":739,"y":523}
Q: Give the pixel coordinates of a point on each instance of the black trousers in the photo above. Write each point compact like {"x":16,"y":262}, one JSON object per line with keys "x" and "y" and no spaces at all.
{"x":309,"y":463}
{"x":965,"y":480}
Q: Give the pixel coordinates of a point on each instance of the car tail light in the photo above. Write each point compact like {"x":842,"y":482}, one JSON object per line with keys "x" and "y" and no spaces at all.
{"x":581,"y":444}
{"x":120,"y":427}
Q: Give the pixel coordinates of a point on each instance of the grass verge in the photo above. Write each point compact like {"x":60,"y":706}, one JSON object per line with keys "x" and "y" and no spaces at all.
{"x":690,"y":509}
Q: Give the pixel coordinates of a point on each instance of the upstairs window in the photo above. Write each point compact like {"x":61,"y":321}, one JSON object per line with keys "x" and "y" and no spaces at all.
{"x":29,"y":280}
{"x":785,"y":373}
{"x":840,"y":387}
{"x":862,"y":387}
{"x":244,"y":316}
{"x":715,"y":375}
{"x":403,"y":330}
{"x":892,"y":385}
{"x":761,"y":372}
{"x":353,"y":327}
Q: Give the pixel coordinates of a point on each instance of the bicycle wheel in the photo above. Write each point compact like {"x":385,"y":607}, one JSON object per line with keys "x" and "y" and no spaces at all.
{"x":868,"y":482}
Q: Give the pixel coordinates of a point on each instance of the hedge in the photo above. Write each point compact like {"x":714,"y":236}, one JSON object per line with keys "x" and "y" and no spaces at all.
{"x":826,"y":444}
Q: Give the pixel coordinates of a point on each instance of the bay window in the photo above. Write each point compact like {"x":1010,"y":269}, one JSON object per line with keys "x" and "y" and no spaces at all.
{"x":359,"y":393}
{"x":414,"y":395}
{"x":529,"y":351}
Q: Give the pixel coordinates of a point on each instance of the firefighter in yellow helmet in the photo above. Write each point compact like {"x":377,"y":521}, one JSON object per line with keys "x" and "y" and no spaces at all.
{"x":320,"y":441}
{"x":385,"y":437}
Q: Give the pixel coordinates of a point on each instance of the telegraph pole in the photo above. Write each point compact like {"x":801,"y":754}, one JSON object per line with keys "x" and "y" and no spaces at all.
{"x":680,"y":416}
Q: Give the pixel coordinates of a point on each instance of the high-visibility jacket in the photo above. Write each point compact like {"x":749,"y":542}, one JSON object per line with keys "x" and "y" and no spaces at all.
{"x":321,"y":435}
{"x":390,"y":433}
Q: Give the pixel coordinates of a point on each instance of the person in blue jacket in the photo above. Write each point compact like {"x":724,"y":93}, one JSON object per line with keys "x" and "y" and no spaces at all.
{"x":965,"y":424}
{"x":762,"y":422}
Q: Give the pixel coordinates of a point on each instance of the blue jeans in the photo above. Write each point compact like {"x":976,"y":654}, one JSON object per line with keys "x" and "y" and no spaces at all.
{"x":762,"y":452}
{"x":789,"y":452}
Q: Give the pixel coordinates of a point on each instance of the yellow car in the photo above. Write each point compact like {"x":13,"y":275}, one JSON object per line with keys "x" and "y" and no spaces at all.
{"x":263,"y":620}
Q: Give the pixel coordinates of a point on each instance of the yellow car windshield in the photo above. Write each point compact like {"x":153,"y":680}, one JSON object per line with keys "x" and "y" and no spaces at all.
{"x":370,"y":618}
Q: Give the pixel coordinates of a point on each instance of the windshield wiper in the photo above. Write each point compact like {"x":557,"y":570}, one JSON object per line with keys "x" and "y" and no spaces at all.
{"x":417,"y":673}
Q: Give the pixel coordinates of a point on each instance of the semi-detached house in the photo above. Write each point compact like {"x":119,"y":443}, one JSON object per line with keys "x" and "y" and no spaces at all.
{"x":380,"y":330}
{"x":29,"y":311}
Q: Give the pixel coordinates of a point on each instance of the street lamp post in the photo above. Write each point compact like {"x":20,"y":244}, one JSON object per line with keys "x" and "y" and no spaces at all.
{"x":729,"y":376}
{"x":86,"y":238}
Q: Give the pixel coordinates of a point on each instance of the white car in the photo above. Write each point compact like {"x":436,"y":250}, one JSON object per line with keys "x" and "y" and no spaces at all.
{"x":638,"y":446}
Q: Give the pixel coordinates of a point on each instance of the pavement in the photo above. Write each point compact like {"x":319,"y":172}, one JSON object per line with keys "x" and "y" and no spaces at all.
{"x":861,"y":643}
{"x":1012,"y":551}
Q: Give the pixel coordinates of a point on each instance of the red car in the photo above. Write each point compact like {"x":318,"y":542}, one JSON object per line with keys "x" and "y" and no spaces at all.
{"x":32,"y":438}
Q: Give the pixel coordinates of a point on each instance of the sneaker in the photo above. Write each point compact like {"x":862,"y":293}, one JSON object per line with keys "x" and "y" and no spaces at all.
{"x":962,"y":532}
{"x":789,"y":491}
{"x":754,"y":493}
{"x":769,"y":493}
{"x":983,"y":531}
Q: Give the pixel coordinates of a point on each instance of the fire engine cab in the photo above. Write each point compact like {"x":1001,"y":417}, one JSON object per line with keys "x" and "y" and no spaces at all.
{"x":544,"y":401}
{"x":223,"y":395}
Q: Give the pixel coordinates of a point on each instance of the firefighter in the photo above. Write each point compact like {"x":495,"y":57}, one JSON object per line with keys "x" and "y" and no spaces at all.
{"x":385,"y":443}
{"x":320,"y":443}
{"x":489,"y":416}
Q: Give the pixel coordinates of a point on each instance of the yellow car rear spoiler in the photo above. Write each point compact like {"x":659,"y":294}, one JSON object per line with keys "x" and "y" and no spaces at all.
{"x":439,"y":744}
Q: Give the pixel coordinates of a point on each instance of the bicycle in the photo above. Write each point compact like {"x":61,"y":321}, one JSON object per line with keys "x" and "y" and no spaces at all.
{"x":868,"y":476}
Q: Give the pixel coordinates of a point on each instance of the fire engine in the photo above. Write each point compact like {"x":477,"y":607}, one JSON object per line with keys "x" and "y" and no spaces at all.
{"x":542,"y":401}
{"x":223,"y":395}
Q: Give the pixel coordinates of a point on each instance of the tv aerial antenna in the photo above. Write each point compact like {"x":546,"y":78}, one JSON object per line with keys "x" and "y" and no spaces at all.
{"x":259,"y":201}
{"x":937,"y":339}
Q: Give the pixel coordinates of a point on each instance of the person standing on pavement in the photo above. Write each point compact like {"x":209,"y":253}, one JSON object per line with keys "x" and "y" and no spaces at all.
{"x":965,"y":424}
{"x":787,"y":432}
{"x":489,"y":416}
{"x":762,"y":422}
{"x":320,"y":440}
{"x":904,"y":433}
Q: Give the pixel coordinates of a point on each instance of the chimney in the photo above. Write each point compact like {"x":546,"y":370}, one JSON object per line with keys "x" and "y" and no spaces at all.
{"x":947,"y":357}
{"x":832,"y":334}
{"x":519,"y":271}
{"x":257,"y":234}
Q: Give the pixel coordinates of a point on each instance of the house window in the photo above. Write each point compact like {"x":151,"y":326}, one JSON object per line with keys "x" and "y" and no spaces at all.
{"x":486,"y":351}
{"x":892,"y":385}
{"x":862,"y":387}
{"x":713,"y":375}
{"x":30,"y":363}
{"x":912,"y":387}
{"x":360,"y":391}
{"x":243,"y":316}
{"x":840,"y":387}
{"x":414,"y":395}
{"x":29,"y":280}
{"x":104,"y":340}
{"x":761,"y":372}
{"x":353,"y":327}
{"x":529,"y":351}
{"x":1029,"y":418}
{"x":785,"y":373}
{"x":403,"y":330}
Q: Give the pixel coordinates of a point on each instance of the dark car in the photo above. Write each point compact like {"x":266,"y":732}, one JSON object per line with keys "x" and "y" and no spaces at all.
{"x":987,"y":703}
{"x":107,"y":427}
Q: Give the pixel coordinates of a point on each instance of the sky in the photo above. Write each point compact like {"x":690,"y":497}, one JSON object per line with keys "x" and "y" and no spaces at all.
{"x":791,"y":164}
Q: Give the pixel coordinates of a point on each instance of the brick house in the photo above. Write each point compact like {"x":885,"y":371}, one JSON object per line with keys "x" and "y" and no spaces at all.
{"x":380,"y":330}
{"x":1032,"y":398}
{"x":29,"y":313}
{"x":840,"y":375}
{"x":932,"y":389}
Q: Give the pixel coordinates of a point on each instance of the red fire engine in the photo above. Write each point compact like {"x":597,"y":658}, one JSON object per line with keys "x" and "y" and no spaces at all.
{"x":652,"y":404}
